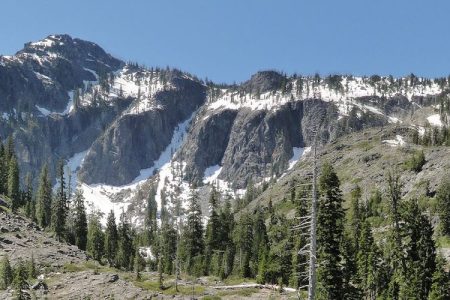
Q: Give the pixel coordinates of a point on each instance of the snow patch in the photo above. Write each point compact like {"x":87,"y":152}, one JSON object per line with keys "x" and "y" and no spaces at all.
{"x":435,"y":120}
{"x":44,"y":43}
{"x":74,"y":164}
{"x":98,"y":198}
{"x":45,"y":112}
{"x":69,"y":107}
{"x":298,"y":153}
{"x":399,"y":141}
{"x":211,"y":174}
{"x":164,"y":161}
{"x":146,"y":253}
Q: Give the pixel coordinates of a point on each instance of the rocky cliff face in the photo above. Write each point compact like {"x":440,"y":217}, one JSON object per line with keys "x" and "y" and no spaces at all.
{"x":134,"y":141}
{"x":118,"y":123}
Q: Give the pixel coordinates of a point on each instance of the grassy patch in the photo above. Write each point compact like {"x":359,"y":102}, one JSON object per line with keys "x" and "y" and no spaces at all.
{"x":285,"y":206}
{"x":365,"y":145}
{"x":170,"y":288}
{"x":73,"y":268}
{"x":443,"y":242}
{"x":245,"y":292}
{"x":89,"y":265}
{"x":148,"y":285}
{"x":232,"y":280}
{"x":211,"y":298}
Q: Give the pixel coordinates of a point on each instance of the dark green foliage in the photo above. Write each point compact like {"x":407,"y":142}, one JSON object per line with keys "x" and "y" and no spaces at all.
{"x":421,"y":253}
{"x":111,"y":239}
{"x":193,"y":242}
{"x":20,"y":277}
{"x":279,"y":259}
{"x":443,"y":198}
{"x":44,"y":199}
{"x":260,"y":240}
{"x":150,"y":218}
{"x":168,"y":248}
{"x":30,"y":206}
{"x":31,"y":268}
{"x":440,"y":288}
{"x":59,"y":205}
{"x":6,"y":273}
{"x":125,"y":253}
{"x":416,"y":162}
{"x":3,"y":170}
{"x":80,"y":229}
{"x":138,"y":264}
{"x":95,"y":237}
{"x":368,"y":259}
{"x":243,"y":240}
{"x":212,"y":236}
{"x":330,"y":234}
{"x":13,"y":183}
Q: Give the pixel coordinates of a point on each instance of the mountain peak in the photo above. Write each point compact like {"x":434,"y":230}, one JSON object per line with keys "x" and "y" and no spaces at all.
{"x":264,"y":81}
{"x":78,"y":51}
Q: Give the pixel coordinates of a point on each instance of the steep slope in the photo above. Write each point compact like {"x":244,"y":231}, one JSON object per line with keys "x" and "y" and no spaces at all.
{"x":123,"y":128}
{"x":136,"y":139}
{"x":364,"y":159}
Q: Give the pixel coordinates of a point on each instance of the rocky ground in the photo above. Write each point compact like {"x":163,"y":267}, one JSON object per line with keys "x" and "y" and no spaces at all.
{"x":21,"y":238}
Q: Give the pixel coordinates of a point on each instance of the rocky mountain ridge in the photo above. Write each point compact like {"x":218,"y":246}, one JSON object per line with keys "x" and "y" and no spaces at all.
{"x":123,"y":128}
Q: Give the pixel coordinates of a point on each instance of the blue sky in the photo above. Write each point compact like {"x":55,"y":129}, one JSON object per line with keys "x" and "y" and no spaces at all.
{"x":229,"y":40}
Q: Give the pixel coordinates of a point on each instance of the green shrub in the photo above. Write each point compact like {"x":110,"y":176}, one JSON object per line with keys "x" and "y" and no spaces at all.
{"x":416,"y":162}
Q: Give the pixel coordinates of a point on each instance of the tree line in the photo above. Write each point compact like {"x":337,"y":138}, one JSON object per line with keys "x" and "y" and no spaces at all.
{"x":357,"y":258}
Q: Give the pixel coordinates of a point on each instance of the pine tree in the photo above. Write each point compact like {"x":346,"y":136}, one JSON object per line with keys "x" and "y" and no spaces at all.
{"x":260,"y":241}
{"x":28,"y":197}
{"x":160,"y":274}
{"x":443,"y":198}
{"x":193,"y":235}
{"x":80,"y":220}
{"x":367,"y":257}
{"x":168,"y":247}
{"x":59,"y":209}
{"x":31,"y":268}
{"x":329,"y":234}
{"x":279,"y":257}
{"x":138,"y":263}
{"x":111,"y":238}
{"x":356,"y":215}
{"x":6,"y":273}
{"x":350,"y":288}
{"x":243,"y":239}
{"x":421,"y":253}
{"x":150,"y":220}
{"x":397,"y":254}
{"x":125,"y":254}
{"x":226,"y":229}
{"x":44,"y":199}
{"x":3,"y":170}
{"x":13,"y":183}
{"x":95,"y":236}
{"x":212,"y":239}
{"x":440,"y":289}
{"x":9,"y":150}
{"x":19,"y":281}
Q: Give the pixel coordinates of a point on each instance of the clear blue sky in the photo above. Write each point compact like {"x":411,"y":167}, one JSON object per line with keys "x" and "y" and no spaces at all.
{"x":228,"y":40}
